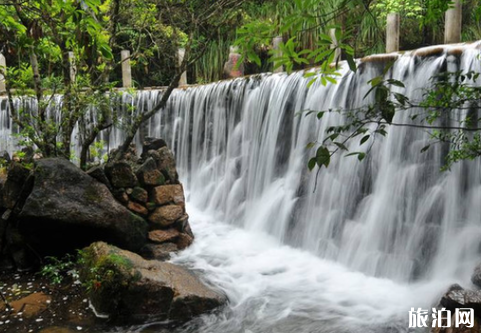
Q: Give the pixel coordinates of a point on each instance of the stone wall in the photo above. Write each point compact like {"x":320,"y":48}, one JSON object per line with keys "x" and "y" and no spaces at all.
{"x":149,"y":187}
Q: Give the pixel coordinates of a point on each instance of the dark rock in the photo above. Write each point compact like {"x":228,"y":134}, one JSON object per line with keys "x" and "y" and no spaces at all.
{"x":159,"y":251}
{"x":460,"y":298}
{"x":131,"y":154}
{"x":139,"y":194}
{"x":140,"y":290}
{"x":184,"y":241}
{"x":98,"y":173}
{"x":166,"y":164}
{"x":182,"y":224}
{"x":120,"y":195}
{"x":188,"y":230}
{"x":163,"y":236}
{"x":120,"y":174}
{"x":151,"y":206}
{"x":168,"y":194}
{"x":16,"y":186}
{"x":152,"y":144}
{"x":149,"y":175}
{"x":166,"y":215}
{"x":67,"y":209}
{"x":476,"y":277}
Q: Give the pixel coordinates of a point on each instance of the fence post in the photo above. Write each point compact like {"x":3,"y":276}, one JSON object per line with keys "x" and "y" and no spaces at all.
{"x":180,"y":58}
{"x":453,"y":22}
{"x":73,"y":67}
{"x":3,"y":68}
{"x":337,"y":53}
{"x":392,"y":32}
{"x":276,"y":41}
{"x":126,"y":69}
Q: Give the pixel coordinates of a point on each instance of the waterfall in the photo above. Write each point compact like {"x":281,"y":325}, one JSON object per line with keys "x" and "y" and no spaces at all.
{"x":300,"y":251}
{"x":241,"y":148}
{"x":241,"y":151}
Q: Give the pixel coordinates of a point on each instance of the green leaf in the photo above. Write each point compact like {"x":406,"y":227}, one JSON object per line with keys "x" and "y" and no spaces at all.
{"x":351,"y":62}
{"x":361,"y":156}
{"x":425,"y":148}
{"x":364,"y":139}
{"x":341,"y":146}
{"x":310,"y":145}
{"x":323,"y":157}
{"x":311,"y":164}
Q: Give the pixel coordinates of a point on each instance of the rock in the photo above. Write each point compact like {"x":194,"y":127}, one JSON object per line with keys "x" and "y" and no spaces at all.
{"x":16,"y":186}
{"x":139,"y":194}
{"x":182,"y":224}
{"x":152,"y":144}
{"x":159,"y":251}
{"x":168,"y":194}
{"x":120,"y":174}
{"x":149,"y":175}
{"x":131,"y":289}
{"x":67,"y":209}
{"x":151,"y":206}
{"x":98,"y":173}
{"x":166,"y":164}
{"x":184,"y":241}
{"x":30,"y":306}
{"x":476,"y":277}
{"x":162,"y":236}
{"x":57,"y":329}
{"x":460,"y":298}
{"x":166,"y":215}
{"x":137,"y":208}
{"x":120,"y":195}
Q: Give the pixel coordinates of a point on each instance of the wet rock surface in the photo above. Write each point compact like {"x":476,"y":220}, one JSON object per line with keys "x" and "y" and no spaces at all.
{"x":67,"y":209}
{"x":150,"y":289}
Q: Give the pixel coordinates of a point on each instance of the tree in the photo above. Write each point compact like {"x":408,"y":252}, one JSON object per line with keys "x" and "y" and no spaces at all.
{"x":449,"y":92}
{"x":42,"y":35}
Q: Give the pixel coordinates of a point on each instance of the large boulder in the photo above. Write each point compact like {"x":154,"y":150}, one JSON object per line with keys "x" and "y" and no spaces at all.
{"x":16,"y":185}
{"x":128,"y":288}
{"x":68,"y":209}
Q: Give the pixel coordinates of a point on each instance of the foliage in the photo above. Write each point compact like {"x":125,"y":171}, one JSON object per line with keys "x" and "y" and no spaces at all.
{"x":448,"y":111}
{"x":57,"y":269}
{"x":103,"y":273}
{"x":68,"y":47}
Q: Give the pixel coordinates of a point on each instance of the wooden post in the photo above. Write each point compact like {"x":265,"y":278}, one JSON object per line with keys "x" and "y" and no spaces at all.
{"x":73,"y":67}
{"x":126,"y":69}
{"x":453,"y":22}
{"x":276,"y":41}
{"x":180,"y":58}
{"x":3,"y":68}
{"x":337,"y":53}
{"x":392,"y":32}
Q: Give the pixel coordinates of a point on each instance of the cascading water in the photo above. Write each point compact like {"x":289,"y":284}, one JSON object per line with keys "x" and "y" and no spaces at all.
{"x":374,"y":239}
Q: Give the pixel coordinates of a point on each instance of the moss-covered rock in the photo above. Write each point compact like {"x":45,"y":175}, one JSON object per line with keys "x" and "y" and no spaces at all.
{"x":128,"y":288}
